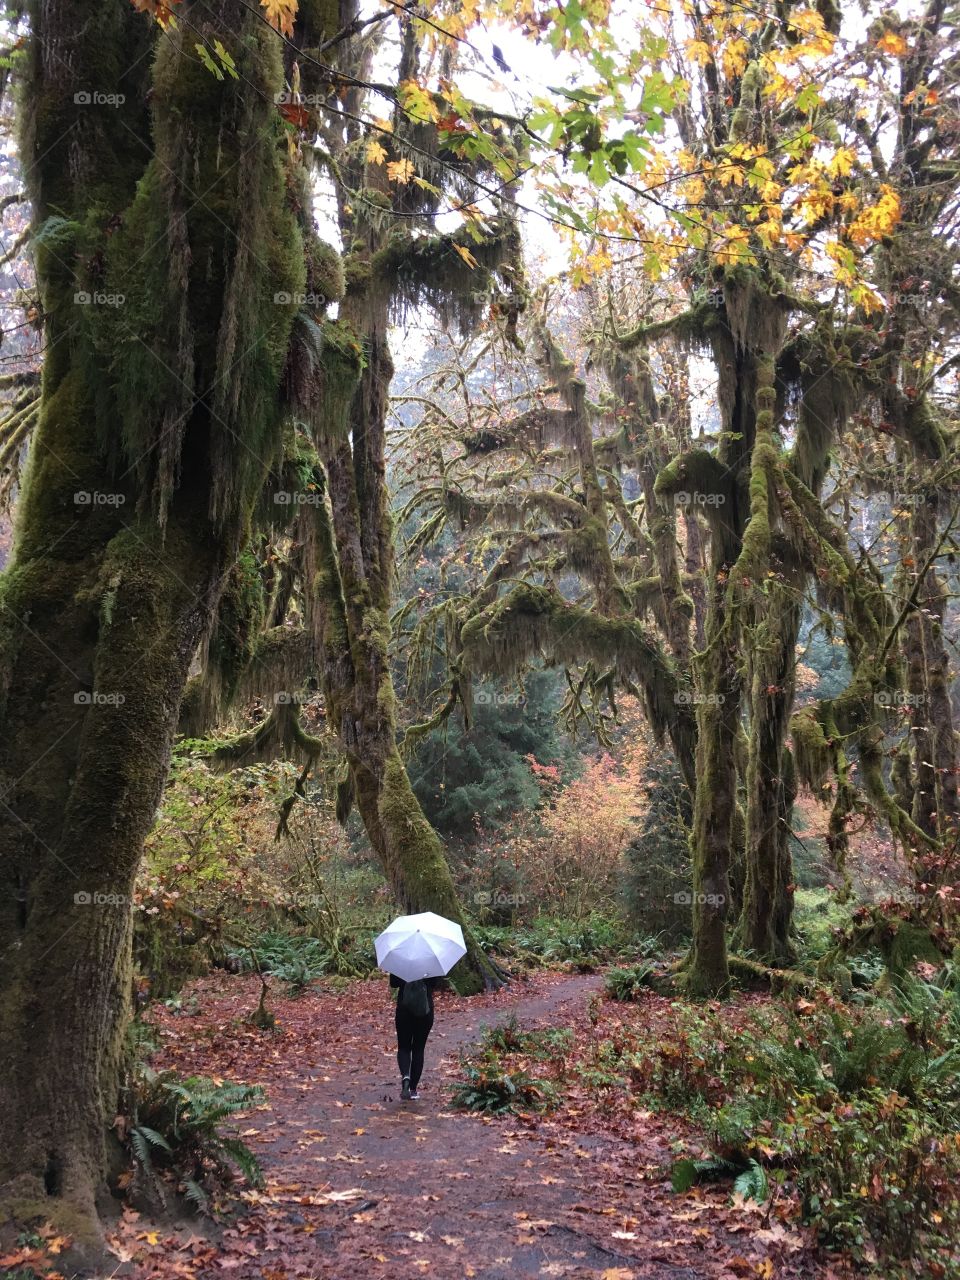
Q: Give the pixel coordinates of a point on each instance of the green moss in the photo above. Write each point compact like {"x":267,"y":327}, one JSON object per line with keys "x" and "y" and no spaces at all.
{"x":35,"y":1210}
{"x":419,"y":870}
{"x":910,"y":943}
{"x":744,"y":118}
{"x":322,"y":375}
{"x":240,"y":619}
{"x":690,"y":328}
{"x":325,"y":271}
{"x":209,"y":327}
{"x":319,"y":19}
{"x":810,"y":750}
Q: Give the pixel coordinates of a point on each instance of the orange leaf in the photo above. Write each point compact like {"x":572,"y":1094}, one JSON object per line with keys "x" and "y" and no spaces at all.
{"x":280,"y":14}
{"x":160,"y":9}
{"x":294,"y":113}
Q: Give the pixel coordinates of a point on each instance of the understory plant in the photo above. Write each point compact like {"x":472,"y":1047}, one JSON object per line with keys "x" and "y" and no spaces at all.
{"x":182,"y":1139}
{"x":856,"y":1108}
{"x":495,"y":1077}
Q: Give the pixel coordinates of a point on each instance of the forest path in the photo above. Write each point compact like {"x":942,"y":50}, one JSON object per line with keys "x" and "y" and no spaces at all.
{"x":359,"y":1183}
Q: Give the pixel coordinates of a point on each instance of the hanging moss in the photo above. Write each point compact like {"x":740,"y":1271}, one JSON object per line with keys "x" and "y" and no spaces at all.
{"x":827,"y":394}
{"x":240,"y":618}
{"x":323,"y":370}
{"x":346,"y":792}
{"x":756,"y":309}
{"x":281,"y":736}
{"x":429,"y":271}
{"x":280,"y":661}
{"x":326,"y":607}
{"x":532,"y":621}
{"x":209,"y":331}
{"x":927,"y":430}
{"x":706,"y":486}
{"x":810,"y":750}
{"x":690,"y":329}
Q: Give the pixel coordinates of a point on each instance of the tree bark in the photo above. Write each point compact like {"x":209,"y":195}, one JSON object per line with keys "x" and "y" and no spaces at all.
{"x":127,"y":523}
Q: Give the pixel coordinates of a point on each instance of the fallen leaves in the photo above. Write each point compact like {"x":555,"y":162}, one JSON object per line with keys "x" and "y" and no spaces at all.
{"x":605,"y":1188}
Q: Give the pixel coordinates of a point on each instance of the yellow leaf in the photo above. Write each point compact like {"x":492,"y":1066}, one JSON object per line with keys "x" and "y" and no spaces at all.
{"x":466,"y":255}
{"x":418,"y":102}
{"x":878,"y":220}
{"x":400,"y":171}
{"x":734,"y":58}
{"x":280,"y":14}
{"x":687,"y":160}
{"x":374,"y":153}
{"x":769,"y":233}
{"x":866,"y":299}
{"x":699,"y":51}
{"x":842,"y":162}
{"x":890,"y":42}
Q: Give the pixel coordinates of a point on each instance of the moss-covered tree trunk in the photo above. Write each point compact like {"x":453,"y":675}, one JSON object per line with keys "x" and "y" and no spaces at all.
{"x":766,"y":916}
{"x":348,"y":614}
{"x":935,"y":801}
{"x":350,"y":542}
{"x":767,"y":910}
{"x":151,"y":442}
{"x":713,"y":483}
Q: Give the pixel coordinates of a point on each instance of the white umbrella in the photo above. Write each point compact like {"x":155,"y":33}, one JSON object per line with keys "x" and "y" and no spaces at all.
{"x":421,"y":946}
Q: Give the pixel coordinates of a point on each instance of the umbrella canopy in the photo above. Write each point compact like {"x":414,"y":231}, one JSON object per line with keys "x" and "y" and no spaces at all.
{"x":420,"y":946}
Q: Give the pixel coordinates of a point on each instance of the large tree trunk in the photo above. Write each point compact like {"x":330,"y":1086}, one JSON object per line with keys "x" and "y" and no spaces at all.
{"x":149,"y":451}
{"x":712,"y":484}
{"x":348,"y":616}
{"x":88,"y":730}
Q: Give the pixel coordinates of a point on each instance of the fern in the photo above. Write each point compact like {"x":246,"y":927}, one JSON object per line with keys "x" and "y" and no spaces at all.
{"x":752,"y":1184}
{"x":181,"y":1134}
{"x":195,"y":1194}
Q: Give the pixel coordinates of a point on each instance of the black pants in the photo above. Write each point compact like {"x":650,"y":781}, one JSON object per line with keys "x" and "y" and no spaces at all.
{"x":411,"y":1041}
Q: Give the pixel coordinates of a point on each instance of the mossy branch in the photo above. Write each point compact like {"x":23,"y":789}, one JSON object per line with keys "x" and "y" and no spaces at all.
{"x":533,"y":621}
{"x":689,"y":328}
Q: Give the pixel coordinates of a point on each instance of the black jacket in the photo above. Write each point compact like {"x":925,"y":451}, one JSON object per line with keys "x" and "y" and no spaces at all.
{"x":432,"y":984}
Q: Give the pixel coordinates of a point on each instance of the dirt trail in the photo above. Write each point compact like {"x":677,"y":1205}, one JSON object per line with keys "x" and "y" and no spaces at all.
{"x":361,"y":1184}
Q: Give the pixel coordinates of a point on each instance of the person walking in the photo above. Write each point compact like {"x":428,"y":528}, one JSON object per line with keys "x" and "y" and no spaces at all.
{"x":414,"y":1021}
{"x":417,"y":951}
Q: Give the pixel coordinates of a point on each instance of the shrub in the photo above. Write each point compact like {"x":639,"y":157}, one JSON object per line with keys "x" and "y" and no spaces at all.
{"x":491,"y":1087}
{"x":628,"y":983}
{"x":292,"y":958}
{"x":874,"y":1177}
{"x":548,"y":941}
{"x":859,"y":1105}
{"x":179,"y":1137}
{"x":510,"y":1037}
